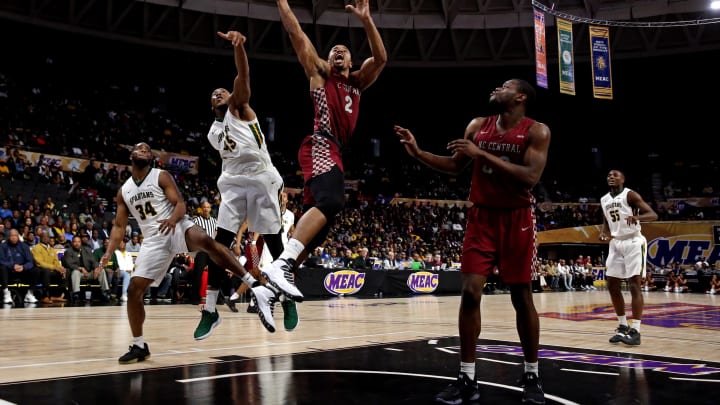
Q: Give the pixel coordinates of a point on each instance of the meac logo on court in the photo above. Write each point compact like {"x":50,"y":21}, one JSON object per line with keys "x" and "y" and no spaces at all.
{"x":683,"y":249}
{"x":423,"y":282}
{"x":346,"y":282}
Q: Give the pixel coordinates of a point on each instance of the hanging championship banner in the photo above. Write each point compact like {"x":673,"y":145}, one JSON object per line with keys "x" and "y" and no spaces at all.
{"x":540,"y":51}
{"x":600,"y":51}
{"x":566,"y":56}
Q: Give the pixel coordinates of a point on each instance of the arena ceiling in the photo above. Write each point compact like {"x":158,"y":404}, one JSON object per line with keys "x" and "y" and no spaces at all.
{"x":416,"y":32}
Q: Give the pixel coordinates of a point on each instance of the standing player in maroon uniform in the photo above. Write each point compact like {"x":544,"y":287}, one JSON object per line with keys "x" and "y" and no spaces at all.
{"x":509,"y":152}
{"x":335,"y":91}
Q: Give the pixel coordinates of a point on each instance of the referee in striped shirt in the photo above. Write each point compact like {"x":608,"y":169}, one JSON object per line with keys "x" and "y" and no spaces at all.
{"x":209,"y":224}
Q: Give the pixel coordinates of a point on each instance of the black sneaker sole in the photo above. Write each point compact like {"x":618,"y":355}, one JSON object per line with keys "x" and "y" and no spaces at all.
{"x":135,"y":360}
{"x":267,"y":326}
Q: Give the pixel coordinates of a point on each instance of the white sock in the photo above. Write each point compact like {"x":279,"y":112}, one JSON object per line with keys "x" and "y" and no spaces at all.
{"x":139,"y":341}
{"x":635,"y":324}
{"x":622,"y":319}
{"x":468,"y":369}
{"x":248,"y":279}
{"x":531,"y":367}
{"x":211,"y":297}
{"x":292,"y":249}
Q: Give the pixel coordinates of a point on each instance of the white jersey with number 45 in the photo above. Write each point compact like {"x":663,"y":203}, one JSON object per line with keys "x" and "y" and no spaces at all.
{"x":241,"y":145}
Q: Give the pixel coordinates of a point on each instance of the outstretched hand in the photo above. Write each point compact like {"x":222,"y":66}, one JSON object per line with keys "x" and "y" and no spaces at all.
{"x":407,"y":139}
{"x":360,"y":9}
{"x":234,"y":37}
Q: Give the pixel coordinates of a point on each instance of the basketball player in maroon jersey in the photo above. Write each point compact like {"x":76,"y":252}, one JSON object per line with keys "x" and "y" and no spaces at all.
{"x":509,"y":151}
{"x":335,"y":92}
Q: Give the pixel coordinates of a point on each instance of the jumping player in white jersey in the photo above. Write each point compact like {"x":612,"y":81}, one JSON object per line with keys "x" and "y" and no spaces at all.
{"x":250,"y":187}
{"x":623,"y":211}
{"x":152,"y":197}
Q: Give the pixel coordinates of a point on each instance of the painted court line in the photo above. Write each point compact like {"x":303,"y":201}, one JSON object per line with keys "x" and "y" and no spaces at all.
{"x":508,"y":387}
{"x":572,"y":370}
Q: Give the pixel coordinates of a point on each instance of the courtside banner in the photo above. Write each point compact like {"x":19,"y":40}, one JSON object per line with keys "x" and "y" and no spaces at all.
{"x":540,"y":51}
{"x":600,"y":51}
{"x":566,"y":56}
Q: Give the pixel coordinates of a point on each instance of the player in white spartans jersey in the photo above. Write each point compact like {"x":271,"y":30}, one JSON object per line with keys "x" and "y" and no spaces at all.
{"x":623,"y":211}
{"x":288,"y":219}
{"x":152,"y":197}
{"x":249,"y":188}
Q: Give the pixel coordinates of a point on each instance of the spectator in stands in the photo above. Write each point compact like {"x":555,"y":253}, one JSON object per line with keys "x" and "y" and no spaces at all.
{"x":46,"y":259}
{"x":565,"y":275}
{"x":554,"y":276}
{"x":349,"y":258}
{"x":95,"y":241}
{"x":60,"y":242}
{"x":648,"y":283}
{"x":16,"y":262}
{"x":437,"y":263}
{"x":362,"y":261}
{"x":81,"y":263}
{"x":333,"y":260}
{"x":589,"y":277}
{"x":681,"y":285}
{"x":714,"y":285}
{"x":671,"y":280}
{"x":134,"y":244}
{"x":123,"y":265}
{"x":428,"y":259}
{"x":417,"y":262}
{"x":390,"y":263}
{"x":86,"y":219}
{"x":182,"y":268}
{"x":5,"y":211}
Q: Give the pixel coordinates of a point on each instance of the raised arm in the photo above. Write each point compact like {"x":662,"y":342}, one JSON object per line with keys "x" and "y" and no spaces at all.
{"x":372,"y":66}
{"x":307,"y":54}
{"x":241,"y":86}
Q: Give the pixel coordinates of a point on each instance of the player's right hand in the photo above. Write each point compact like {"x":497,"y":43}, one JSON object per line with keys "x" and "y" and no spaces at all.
{"x":407,"y":139}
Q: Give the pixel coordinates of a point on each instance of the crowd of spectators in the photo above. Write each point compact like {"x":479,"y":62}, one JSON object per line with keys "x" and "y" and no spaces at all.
{"x":44,"y":114}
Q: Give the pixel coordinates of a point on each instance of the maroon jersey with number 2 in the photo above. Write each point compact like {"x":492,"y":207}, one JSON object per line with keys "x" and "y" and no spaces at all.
{"x":336,"y":111}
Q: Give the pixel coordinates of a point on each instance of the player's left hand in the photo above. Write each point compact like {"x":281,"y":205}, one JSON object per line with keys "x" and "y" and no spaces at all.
{"x":167,"y":226}
{"x":360,"y":9}
{"x":464,"y":147}
{"x":632,"y":220}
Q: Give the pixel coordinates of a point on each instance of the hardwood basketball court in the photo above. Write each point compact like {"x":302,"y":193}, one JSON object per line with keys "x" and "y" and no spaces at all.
{"x":361,"y":351}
